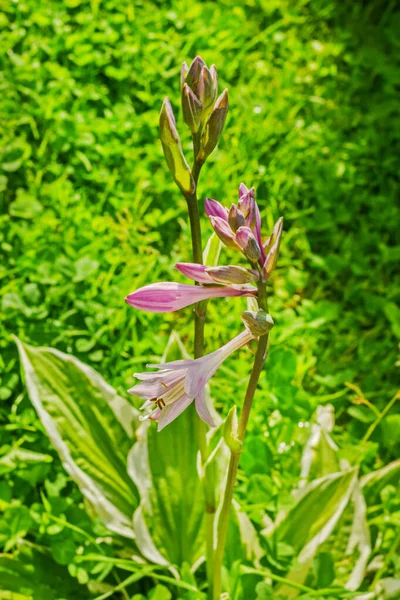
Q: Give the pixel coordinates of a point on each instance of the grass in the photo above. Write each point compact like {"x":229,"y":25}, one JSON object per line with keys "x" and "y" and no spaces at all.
{"x":89,"y":213}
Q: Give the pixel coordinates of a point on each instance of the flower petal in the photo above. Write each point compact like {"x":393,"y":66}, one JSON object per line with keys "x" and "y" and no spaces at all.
{"x":167,"y":296}
{"x":170,"y":413}
{"x":214,"y":208}
{"x":195,"y":272}
{"x":202,"y":409}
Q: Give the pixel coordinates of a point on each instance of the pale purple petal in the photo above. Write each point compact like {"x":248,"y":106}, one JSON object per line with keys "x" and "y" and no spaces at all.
{"x":202,"y":409}
{"x":214,"y":208}
{"x":149,"y":389}
{"x":155,"y":385}
{"x":161,"y":375}
{"x":224,"y":232}
{"x":168,"y":296}
{"x":243,"y":235}
{"x":204,"y":368}
{"x":243,"y":190}
{"x":173,"y":365}
{"x":195,"y":272}
{"x":169,"y":413}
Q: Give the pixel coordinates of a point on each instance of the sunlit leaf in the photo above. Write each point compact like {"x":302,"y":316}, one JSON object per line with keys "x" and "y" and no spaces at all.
{"x":90,"y":427}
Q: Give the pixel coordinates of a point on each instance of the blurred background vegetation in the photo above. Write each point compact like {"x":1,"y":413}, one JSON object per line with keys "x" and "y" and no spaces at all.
{"x":89,"y":213}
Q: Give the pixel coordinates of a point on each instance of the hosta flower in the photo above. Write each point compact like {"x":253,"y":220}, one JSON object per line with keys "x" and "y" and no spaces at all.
{"x":170,"y":390}
{"x":167,"y":296}
{"x":240,"y":228}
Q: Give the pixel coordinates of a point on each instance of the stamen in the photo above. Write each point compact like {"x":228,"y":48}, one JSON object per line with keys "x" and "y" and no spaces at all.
{"x":174,"y":393}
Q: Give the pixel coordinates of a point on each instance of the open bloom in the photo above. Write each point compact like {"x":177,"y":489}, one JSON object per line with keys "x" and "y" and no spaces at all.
{"x":177,"y":384}
{"x":240,"y":228}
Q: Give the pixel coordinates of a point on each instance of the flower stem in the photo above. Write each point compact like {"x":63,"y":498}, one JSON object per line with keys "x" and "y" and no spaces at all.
{"x":199,"y":321}
{"x":223,"y":522}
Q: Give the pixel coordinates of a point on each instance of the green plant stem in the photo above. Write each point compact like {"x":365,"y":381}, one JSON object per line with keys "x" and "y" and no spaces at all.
{"x":389,"y":556}
{"x":375,"y":424}
{"x":199,"y":321}
{"x":223,"y":523}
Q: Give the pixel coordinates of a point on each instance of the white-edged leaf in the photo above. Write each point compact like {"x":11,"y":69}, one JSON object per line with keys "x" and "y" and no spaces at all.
{"x":319,"y":456}
{"x":312,"y":520}
{"x":359,"y":539}
{"x":83,"y":417}
{"x":212,"y":251}
{"x":163,"y":465}
{"x":375,"y":481}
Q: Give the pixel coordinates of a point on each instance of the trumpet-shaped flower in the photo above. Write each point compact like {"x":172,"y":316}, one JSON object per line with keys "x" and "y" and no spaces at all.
{"x":167,"y":296}
{"x":170,"y":390}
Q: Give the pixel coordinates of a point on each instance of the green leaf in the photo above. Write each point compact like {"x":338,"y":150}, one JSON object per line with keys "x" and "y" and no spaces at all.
{"x":324,"y":569}
{"x":163,"y":465}
{"x":374,"y":482}
{"x":85,"y":267}
{"x":392,"y":312}
{"x":25,"y":208}
{"x":318,"y":509}
{"x":20,"y":457}
{"x":31,"y":575}
{"x":391,"y":430}
{"x":89,"y":426}
{"x":212,"y":251}
{"x":312,"y":520}
{"x":319,"y":456}
{"x":359,"y":539}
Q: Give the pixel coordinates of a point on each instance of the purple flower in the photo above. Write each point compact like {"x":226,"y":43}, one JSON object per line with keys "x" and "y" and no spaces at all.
{"x":170,"y":390}
{"x":167,"y":296}
{"x":229,"y":227}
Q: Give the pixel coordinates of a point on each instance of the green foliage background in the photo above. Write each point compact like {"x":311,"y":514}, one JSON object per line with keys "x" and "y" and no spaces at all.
{"x":89,"y":213}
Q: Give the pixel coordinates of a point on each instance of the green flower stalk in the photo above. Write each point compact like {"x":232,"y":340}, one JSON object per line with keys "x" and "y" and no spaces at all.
{"x":176,"y":385}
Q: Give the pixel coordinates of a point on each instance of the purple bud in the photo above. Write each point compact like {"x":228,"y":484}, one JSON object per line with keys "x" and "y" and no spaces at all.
{"x":195,"y":272}
{"x":214,"y":208}
{"x":247,"y":204}
{"x":193,"y":74}
{"x":235,"y":218}
{"x":272,"y":248}
{"x":257,"y":322}
{"x":205,"y":90}
{"x":213,"y":127}
{"x":224,"y":232}
{"x":248,"y":243}
{"x":243,"y":190}
{"x":192,"y":109}
{"x":232,"y":275}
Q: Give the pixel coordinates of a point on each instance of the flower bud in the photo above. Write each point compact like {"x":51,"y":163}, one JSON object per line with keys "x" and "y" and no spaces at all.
{"x":232,"y":275}
{"x":271,"y":248}
{"x":247,"y":204}
{"x":207,"y":87}
{"x":235,"y":218}
{"x":192,"y":76}
{"x":213,"y":127}
{"x":173,"y":152}
{"x":257,"y":322}
{"x":224,"y":232}
{"x":248,"y":244}
{"x":184,"y":72}
{"x":213,"y":208}
{"x":230,"y":431}
{"x":192,"y":109}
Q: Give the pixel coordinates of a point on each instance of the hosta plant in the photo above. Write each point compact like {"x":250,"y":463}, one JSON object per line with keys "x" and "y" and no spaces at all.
{"x":161,"y":478}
